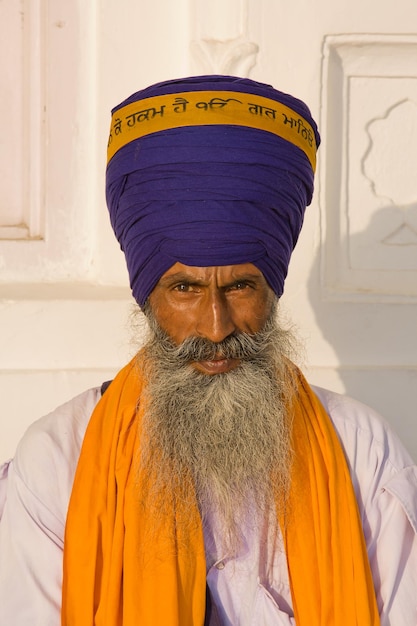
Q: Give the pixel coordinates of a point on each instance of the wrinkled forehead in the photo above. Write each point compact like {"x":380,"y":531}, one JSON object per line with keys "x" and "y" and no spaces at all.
{"x":218,"y":275}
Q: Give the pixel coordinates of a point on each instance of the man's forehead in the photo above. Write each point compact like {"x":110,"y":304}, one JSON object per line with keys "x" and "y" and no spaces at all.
{"x":218,"y":273}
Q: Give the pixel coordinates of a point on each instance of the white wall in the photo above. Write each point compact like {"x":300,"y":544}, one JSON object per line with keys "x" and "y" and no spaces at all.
{"x":352,"y":287}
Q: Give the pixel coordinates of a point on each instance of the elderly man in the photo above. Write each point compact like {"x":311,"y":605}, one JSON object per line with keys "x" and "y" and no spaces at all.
{"x":209,"y":483}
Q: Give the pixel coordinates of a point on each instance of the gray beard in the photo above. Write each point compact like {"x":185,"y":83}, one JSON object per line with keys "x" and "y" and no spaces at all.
{"x":222,"y":440}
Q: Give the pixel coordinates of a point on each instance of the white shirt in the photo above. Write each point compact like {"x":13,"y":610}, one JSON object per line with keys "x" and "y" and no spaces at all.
{"x":251,"y":589}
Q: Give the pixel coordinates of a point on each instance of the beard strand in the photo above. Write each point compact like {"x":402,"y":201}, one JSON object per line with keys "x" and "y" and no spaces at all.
{"x":222,"y":441}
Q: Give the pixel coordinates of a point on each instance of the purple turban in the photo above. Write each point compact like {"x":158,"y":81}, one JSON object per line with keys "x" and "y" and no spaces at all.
{"x":209,"y":170}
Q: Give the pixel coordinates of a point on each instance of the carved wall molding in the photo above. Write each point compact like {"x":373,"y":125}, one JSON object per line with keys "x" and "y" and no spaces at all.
{"x":48,"y":144}
{"x":235,"y":57}
{"x":391,"y":177}
{"x":220,"y":43}
{"x":368,"y":196}
{"x":22,"y":161}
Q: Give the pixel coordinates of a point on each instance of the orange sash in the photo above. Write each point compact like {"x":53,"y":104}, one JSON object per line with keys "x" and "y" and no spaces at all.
{"x":106,"y":583}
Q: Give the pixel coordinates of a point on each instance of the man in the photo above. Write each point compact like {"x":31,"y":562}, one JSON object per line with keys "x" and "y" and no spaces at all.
{"x":209,"y":483}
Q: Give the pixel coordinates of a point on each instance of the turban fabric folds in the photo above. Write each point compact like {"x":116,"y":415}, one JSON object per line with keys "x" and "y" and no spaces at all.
{"x":209,"y":170}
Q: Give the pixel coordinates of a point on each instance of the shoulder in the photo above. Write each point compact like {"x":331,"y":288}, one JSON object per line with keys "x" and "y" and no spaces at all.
{"x":47,"y":455}
{"x":378,"y":461}
{"x":359,"y":425}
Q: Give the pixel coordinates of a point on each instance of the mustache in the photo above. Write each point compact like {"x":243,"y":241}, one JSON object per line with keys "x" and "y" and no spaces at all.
{"x":242,"y":346}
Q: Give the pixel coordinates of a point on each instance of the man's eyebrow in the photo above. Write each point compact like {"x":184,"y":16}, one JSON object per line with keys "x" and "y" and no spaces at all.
{"x":183,"y":277}
{"x":247,"y":276}
{"x":244,"y":278}
{"x":180,"y":277}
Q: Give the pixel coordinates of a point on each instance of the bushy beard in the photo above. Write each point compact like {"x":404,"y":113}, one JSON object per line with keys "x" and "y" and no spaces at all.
{"x":221,"y":440}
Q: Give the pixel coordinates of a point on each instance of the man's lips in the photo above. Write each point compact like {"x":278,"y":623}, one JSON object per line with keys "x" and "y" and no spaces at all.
{"x":216,"y":366}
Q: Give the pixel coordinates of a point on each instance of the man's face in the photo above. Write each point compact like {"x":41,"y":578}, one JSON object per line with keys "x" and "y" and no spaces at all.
{"x":213,"y":303}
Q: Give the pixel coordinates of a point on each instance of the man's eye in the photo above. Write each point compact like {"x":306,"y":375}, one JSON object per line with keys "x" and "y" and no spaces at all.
{"x":183,"y":287}
{"x":239,"y":286}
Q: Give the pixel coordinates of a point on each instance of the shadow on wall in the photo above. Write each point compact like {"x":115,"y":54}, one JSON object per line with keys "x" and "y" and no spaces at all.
{"x":363,"y":291}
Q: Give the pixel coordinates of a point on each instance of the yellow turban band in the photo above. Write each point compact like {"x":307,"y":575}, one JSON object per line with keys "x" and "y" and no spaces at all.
{"x":199,"y":108}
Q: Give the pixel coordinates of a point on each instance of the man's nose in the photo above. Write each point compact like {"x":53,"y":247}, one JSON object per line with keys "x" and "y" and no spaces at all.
{"x":215,"y":321}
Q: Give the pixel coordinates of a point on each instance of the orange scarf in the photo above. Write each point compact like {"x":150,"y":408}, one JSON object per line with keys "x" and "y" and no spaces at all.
{"x":106,"y":583}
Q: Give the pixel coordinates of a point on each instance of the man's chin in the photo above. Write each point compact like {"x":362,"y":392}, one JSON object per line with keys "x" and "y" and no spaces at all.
{"x":216,"y":366}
